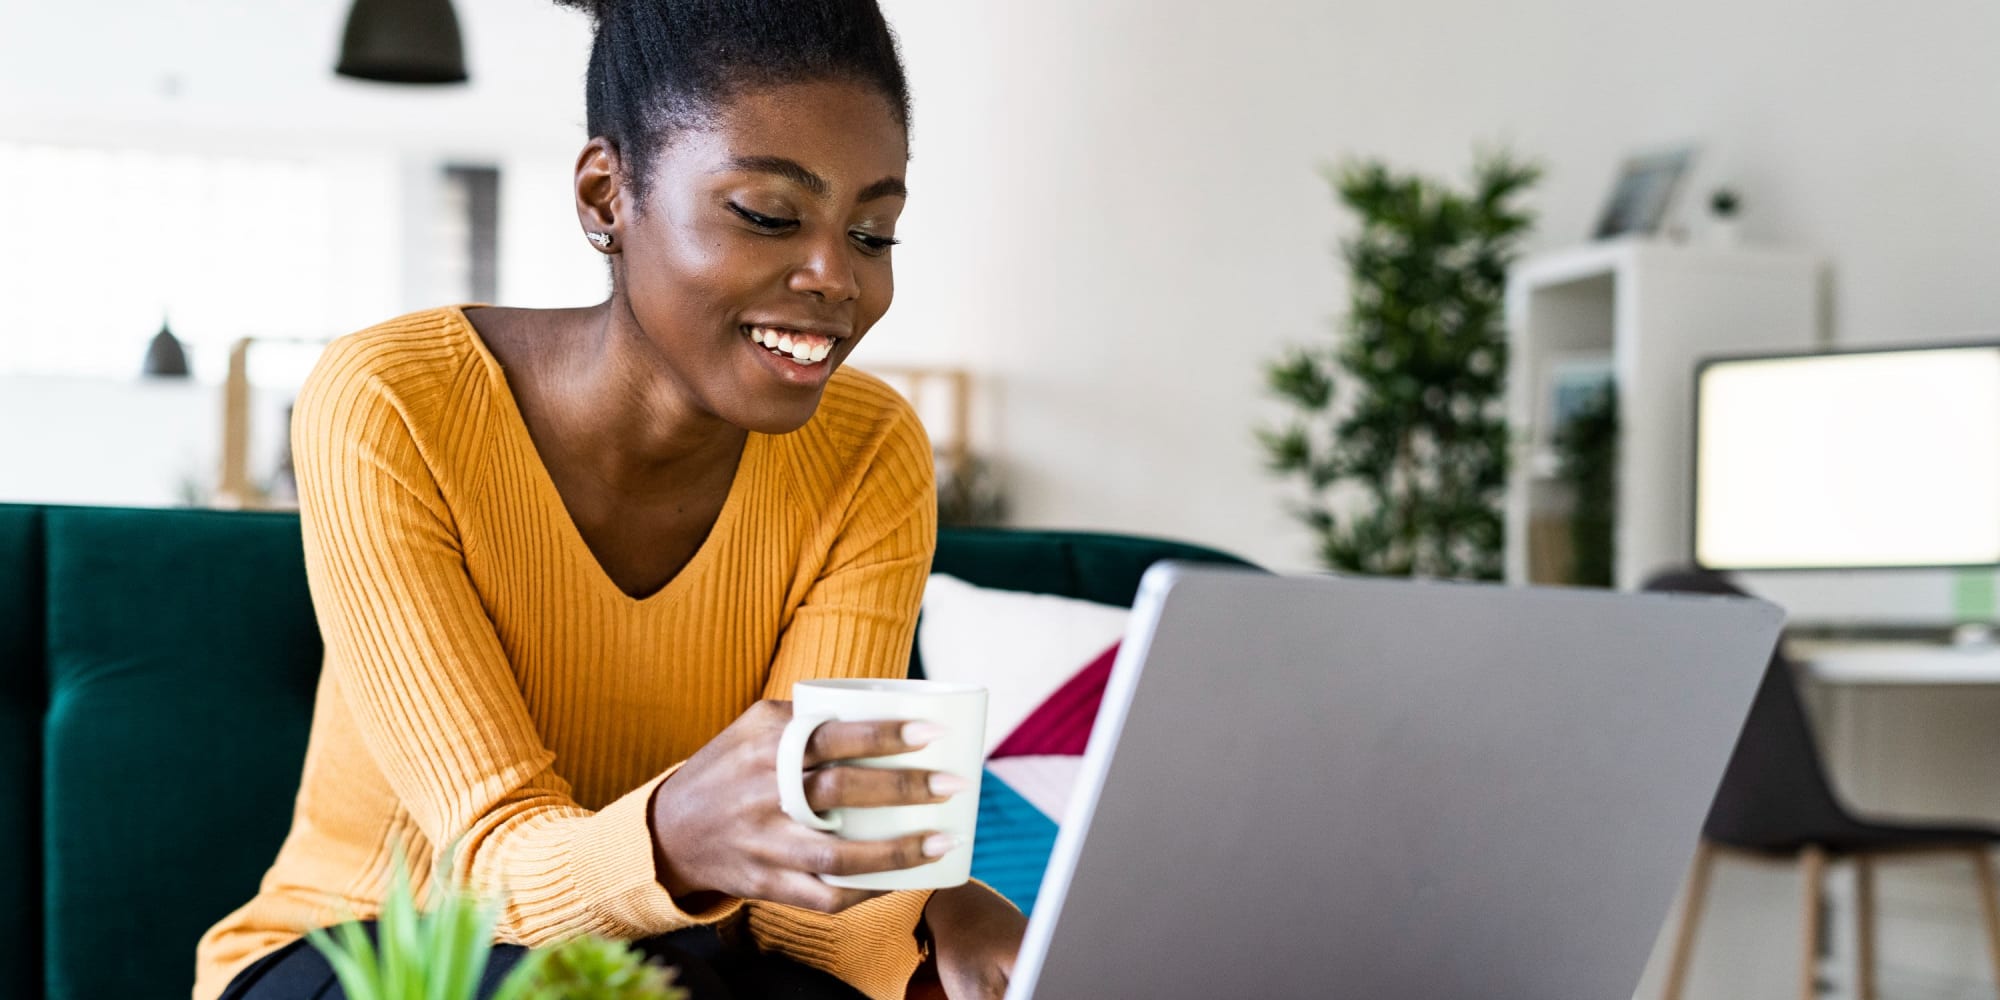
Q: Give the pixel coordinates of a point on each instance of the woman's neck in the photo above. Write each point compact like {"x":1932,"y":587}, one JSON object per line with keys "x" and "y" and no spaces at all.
{"x":603,"y":393}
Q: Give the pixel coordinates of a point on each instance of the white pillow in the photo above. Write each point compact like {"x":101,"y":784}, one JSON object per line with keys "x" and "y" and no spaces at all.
{"x":1021,"y":647}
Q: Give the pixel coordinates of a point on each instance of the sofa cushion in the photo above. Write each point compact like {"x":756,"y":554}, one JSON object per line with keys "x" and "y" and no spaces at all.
{"x":23,"y":698}
{"x":1021,"y":647}
{"x":183,"y":654}
{"x":1010,"y":851}
{"x":1061,"y":724}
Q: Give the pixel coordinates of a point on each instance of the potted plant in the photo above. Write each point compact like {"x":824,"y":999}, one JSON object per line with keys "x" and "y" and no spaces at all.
{"x":1397,"y":433}
{"x":440,"y":954}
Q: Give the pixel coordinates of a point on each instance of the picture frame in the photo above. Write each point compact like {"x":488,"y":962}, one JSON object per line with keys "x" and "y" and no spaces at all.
{"x":1645,"y":190}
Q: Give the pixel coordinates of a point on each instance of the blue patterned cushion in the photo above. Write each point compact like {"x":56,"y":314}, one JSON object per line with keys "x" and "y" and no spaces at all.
{"x":1011,"y":847}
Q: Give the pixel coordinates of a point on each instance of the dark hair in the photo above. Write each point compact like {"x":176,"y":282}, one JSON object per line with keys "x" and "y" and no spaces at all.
{"x":658,"y":67}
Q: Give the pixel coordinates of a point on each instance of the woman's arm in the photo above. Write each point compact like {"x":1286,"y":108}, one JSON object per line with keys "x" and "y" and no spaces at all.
{"x":859,"y":619}
{"x":977,"y":935}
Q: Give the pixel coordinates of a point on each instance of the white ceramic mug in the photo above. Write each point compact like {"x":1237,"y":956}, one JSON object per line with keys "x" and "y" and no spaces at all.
{"x":959,"y":709}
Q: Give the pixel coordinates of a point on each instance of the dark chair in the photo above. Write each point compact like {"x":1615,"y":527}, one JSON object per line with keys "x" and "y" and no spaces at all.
{"x":1775,"y":803}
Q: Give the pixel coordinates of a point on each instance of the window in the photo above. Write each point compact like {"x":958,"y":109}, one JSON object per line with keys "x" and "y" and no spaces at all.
{"x":97,"y":246}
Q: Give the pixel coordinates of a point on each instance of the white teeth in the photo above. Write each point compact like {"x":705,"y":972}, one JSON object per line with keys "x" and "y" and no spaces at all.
{"x":801,"y":350}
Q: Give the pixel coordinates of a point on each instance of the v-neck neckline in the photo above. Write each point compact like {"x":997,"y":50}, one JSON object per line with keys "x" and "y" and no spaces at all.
{"x":573,"y":540}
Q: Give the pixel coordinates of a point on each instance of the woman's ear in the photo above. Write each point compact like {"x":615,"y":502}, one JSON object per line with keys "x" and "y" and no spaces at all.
{"x":600,"y":193}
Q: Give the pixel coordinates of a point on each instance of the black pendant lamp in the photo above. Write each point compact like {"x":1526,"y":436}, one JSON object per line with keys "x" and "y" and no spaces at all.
{"x":164,"y":356}
{"x":402,"y":41}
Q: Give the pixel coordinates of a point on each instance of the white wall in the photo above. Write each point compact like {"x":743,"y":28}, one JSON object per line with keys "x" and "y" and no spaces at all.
{"x":1156,"y":227}
{"x":125,"y":442}
{"x":1117,"y":216}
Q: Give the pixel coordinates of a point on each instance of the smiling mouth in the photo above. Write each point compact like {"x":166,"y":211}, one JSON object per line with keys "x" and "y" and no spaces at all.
{"x":796,"y":346}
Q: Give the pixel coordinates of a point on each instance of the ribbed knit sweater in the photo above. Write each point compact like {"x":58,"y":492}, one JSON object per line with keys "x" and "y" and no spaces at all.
{"x":488,"y":688}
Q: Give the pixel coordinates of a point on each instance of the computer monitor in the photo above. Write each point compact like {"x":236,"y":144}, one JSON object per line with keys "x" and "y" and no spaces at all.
{"x":1849,"y":460}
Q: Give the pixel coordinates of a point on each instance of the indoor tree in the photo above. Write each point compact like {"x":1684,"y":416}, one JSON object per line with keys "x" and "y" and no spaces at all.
{"x":1397,"y":430}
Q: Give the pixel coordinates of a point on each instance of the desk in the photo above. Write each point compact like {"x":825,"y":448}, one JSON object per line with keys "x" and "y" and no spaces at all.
{"x":1898,"y":663}
{"x":1907,"y":730}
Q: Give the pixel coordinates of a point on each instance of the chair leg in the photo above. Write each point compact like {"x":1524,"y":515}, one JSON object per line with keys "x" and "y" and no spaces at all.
{"x":1982,"y":863}
{"x":1814,"y":870}
{"x":1864,"y":927}
{"x":1690,"y":923}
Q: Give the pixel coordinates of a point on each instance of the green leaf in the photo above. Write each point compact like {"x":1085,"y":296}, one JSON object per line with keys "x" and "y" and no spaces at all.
{"x":1300,"y":378}
{"x":402,"y":937}
{"x":353,"y":958}
{"x":1289,"y":449}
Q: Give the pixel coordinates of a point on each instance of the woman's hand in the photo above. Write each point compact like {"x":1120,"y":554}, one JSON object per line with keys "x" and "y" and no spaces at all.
{"x":717,"y":826}
{"x":975,"y":936}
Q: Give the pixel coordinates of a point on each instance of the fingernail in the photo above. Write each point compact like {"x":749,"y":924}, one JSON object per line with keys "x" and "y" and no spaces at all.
{"x":945,"y":785}
{"x":917,"y":734}
{"x":938,"y":845}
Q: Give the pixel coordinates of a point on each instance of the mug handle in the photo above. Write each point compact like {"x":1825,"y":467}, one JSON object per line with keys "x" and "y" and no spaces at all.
{"x":791,"y":772}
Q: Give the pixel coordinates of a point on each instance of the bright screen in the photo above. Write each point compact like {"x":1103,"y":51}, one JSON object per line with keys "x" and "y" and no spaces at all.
{"x":1849,"y":460}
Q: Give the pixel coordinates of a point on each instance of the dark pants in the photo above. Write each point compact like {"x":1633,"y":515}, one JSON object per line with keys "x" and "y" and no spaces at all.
{"x":709,"y":968}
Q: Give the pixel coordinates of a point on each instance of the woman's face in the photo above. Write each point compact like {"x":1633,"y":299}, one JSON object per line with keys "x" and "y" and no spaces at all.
{"x":761,"y":254}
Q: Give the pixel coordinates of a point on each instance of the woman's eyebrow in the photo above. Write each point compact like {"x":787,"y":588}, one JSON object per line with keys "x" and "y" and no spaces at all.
{"x":887,"y":187}
{"x":796,"y":172}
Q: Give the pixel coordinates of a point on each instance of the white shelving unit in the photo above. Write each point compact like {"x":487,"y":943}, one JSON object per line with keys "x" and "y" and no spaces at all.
{"x":1652,"y":311}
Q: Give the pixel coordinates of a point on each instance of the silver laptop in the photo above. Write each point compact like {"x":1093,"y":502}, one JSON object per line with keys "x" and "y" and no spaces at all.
{"x":1323,"y":787}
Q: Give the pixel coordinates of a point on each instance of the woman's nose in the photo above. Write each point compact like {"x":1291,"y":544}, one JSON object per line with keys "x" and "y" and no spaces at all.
{"x":827,"y":271}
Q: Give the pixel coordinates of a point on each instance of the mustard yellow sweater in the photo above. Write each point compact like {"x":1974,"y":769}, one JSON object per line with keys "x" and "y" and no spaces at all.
{"x":487,"y":686}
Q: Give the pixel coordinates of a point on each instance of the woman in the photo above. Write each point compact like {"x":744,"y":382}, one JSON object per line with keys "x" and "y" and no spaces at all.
{"x":567,"y":561}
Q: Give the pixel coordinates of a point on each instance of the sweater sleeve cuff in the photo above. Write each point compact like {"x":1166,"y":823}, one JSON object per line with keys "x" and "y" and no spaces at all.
{"x":615,"y":870}
{"x":871,"y":947}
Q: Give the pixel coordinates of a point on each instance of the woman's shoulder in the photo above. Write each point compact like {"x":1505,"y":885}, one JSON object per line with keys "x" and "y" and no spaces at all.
{"x":419,"y":360}
{"x":408,"y":354}
{"x":419,"y":374}
{"x":863,"y":432}
{"x":859,"y":413}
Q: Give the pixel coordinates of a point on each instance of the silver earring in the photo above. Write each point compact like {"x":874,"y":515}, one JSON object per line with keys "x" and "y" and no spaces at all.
{"x":602,"y":240}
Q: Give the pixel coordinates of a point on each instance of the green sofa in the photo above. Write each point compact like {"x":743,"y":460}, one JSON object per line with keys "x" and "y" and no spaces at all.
{"x":156,"y":680}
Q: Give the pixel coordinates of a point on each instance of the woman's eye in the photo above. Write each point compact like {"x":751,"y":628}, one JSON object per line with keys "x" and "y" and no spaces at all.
{"x":874,"y":244}
{"x":762,"y":221}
